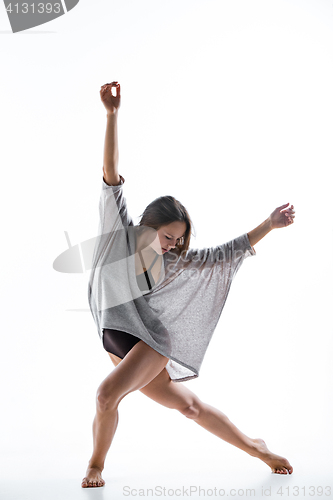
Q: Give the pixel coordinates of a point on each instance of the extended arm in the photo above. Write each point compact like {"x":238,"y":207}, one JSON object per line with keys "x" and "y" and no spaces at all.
{"x":111,"y":153}
{"x":281,"y":217}
{"x":259,"y":232}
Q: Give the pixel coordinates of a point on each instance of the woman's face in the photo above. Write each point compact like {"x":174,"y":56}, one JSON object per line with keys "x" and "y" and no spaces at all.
{"x":168,"y":236}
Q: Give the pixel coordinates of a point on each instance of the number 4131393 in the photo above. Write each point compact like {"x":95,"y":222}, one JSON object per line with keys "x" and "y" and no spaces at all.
{"x":32,"y":8}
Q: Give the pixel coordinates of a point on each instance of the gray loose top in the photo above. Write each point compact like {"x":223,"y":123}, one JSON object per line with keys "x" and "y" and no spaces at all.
{"x":178,"y":315}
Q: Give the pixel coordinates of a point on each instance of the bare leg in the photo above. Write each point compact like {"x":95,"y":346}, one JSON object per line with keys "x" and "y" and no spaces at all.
{"x":178,"y":396}
{"x":136,"y":370}
{"x":219,"y":424}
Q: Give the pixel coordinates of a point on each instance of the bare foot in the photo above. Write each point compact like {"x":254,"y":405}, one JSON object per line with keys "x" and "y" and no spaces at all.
{"x":278,"y":464}
{"x":93,"y":478}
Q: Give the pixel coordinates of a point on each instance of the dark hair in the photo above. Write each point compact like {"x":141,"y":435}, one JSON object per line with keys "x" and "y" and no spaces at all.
{"x":163,"y":211}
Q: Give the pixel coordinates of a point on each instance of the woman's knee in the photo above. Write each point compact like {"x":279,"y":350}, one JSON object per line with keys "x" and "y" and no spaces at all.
{"x":107,"y":397}
{"x":192,"y":410}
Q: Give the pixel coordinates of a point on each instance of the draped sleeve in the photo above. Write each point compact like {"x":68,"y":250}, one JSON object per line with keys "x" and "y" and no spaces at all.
{"x":178,"y":316}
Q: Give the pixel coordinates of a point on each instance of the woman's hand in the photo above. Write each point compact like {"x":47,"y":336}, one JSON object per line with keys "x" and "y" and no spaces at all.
{"x":111,"y":102}
{"x":282,"y":216}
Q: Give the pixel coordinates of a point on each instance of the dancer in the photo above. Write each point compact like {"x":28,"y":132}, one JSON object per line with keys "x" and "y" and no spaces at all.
{"x":156,"y":304}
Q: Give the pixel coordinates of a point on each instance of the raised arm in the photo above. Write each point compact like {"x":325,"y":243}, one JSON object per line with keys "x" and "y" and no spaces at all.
{"x":281,"y":217}
{"x":111,"y":153}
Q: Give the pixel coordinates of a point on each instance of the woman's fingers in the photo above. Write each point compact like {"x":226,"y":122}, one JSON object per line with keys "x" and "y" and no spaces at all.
{"x":290,"y":217}
{"x":113,"y":84}
{"x":283,"y":206}
{"x":108,"y":86}
{"x":289,"y":210}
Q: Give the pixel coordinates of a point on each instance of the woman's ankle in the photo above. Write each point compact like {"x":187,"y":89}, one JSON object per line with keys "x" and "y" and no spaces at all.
{"x":93,"y":464}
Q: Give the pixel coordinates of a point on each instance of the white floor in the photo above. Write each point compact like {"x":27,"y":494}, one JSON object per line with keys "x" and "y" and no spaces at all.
{"x":167,"y":469}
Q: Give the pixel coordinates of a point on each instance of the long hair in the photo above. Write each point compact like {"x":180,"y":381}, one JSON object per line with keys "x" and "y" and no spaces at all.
{"x":164,"y":210}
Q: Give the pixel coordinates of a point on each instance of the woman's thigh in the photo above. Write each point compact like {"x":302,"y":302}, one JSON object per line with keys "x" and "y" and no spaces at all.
{"x":140,"y":365}
{"x":165,"y":392}
{"x":173,"y":395}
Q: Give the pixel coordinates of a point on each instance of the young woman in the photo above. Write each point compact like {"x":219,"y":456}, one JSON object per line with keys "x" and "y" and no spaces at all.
{"x":156,"y":326}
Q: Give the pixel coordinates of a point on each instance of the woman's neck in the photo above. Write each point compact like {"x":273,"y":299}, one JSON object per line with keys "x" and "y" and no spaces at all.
{"x":143,"y":247}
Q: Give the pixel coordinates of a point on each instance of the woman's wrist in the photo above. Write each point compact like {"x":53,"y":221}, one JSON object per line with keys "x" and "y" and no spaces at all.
{"x":113,"y":113}
{"x":269,"y":223}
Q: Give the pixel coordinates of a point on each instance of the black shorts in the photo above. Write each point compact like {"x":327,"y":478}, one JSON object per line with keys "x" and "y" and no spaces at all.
{"x":118,"y":342}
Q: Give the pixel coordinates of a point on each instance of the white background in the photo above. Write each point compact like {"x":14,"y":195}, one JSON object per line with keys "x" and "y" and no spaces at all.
{"x":226,"y":105}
